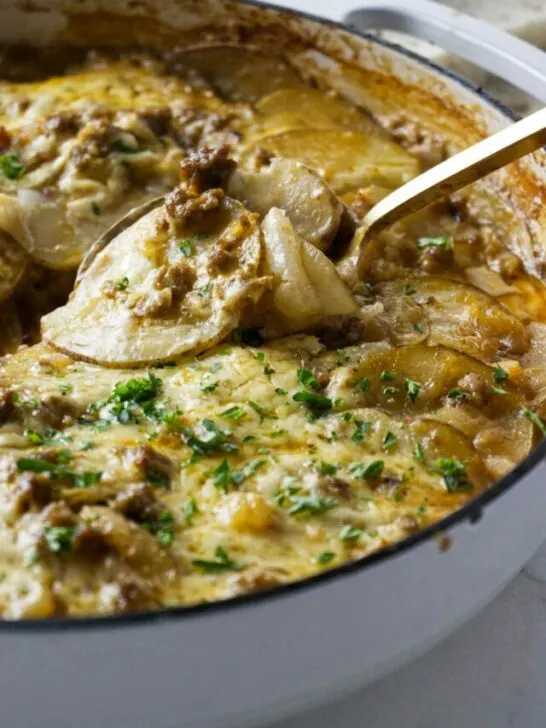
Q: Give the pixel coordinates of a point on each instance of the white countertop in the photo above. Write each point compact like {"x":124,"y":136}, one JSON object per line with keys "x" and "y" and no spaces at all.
{"x":491,"y":672}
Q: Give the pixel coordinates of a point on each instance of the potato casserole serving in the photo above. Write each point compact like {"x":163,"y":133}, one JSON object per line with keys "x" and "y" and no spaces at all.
{"x":222,"y":393}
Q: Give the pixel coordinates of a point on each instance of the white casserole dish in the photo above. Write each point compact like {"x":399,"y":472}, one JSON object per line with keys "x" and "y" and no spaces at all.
{"x":260,"y":657}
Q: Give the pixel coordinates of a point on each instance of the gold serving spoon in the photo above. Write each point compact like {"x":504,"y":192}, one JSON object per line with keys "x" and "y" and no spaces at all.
{"x":468,"y":166}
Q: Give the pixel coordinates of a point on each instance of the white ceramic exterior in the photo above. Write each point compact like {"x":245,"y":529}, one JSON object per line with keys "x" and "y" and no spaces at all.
{"x":244,"y":663}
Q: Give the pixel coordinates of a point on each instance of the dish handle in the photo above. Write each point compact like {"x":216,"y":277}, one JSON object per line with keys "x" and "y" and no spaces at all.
{"x":497,"y":52}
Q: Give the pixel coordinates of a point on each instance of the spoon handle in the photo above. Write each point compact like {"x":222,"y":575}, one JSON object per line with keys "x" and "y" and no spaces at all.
{"x":467,"y":166}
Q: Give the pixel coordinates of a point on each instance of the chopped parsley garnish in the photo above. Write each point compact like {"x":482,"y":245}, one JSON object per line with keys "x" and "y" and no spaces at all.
{"x":213,"y":440}
{"x":409,"y":290}
{"x":311,"y":504}
{"x":412,"y":389}
{"x":158,"y":478}
{"x":390,"y":391}
{"x":233,"y":413}
{"x":261,"y":412}
{"x":325,"y":557}
{"x":84,"y":480}
{"x":186,"y":248}
{"x":131,"y":399}
{"x":224,"y":476}
{"x":437,"y":242}
{"x":34,"y":437}
{"x":418,"y":453}
{"x":457,"y":395}
{"x":59,"y":538}
{"x":204,"y":290}
{"x":95,"y":208}
{"x":259,"y":356}
{"x":221,"y":562}
{"x":500,"y":375}
{"x":188,"y":511}
{"x":11,"y":165}
{"x":162,"y":527}
{"x":122,"y":284}
{"x":350,"y":533}
{"x":57,"y":470}
{"x":387,"y":376}
{"x":308,"y":379}
{"x":209,"y":388}
{"x":362,"y":385}
{"x":65,"y":388}
{"x":420,"y":328}
{"x":250,"y":337}
{"x":347,"y":416}
{"x":498,"y":390}
{"x":536,"y":420}
{"x":315,"y":402}
{"x":361,"y":430}
{"x":268,"y":370}
{"x":369,"y":470}
{"x":389,"y":441}
{"x":453,"y":473}
{"x":280,"y":391}
{"x":326,"y":468}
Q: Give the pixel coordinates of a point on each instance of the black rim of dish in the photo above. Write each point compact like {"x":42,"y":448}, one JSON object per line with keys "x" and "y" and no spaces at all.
{"x":471,"y":511}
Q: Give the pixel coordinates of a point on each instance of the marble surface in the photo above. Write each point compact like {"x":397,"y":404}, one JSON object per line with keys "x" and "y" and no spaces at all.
{"x":491,"y":672}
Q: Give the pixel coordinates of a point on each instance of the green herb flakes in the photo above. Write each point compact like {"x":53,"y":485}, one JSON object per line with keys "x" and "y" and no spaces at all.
{"x":186,"y":248}
{"x":221,"y":562}
{"x":350,"y":534}
{"x":536,"y":420}
{"x":59,"y":538}
{"x":412,"y":389}
{"x":443,"y":242}
{"x":308,"y":379}
{"x":368,"y":470}
{"x":11,"y":165}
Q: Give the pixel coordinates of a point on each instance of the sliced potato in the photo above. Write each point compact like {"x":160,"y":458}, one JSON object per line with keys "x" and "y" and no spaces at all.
{"x":299,"y":108}
{"x":162,"y":287}
{"x":502,"y":443}
{"x":462,"y":317}
{"x":311,"y":206}
{"x":346,"y":159}
{"x":239,"y":73}
{"x":439,"y":440}
{"x":434,"y":371}
{"x":309,"y":288}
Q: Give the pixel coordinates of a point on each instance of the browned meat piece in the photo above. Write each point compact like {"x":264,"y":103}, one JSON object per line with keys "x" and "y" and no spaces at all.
{"x":435,"y":259}
{"x":206,"y":169}
{"x":179,"y":278}
{"x":138,"y":503}
{"x":33,"y":490}
{"x":340,"y":331}
{"x":65,"y":122}
{"x":159,"y":120}
{"x":182,"y":208}
{"x":334,"y":486}
{"x":5,"y":139}
{"x":6,"y":403}
{"x":154,"y":467}
{"x":134,"y":596}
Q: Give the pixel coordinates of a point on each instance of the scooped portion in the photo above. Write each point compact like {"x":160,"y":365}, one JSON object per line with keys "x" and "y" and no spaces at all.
{"x":175,"y":281}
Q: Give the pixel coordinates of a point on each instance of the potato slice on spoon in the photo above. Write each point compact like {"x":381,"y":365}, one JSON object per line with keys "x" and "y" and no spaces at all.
{"x":311,"y":205}
{"x":175,"y":281}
